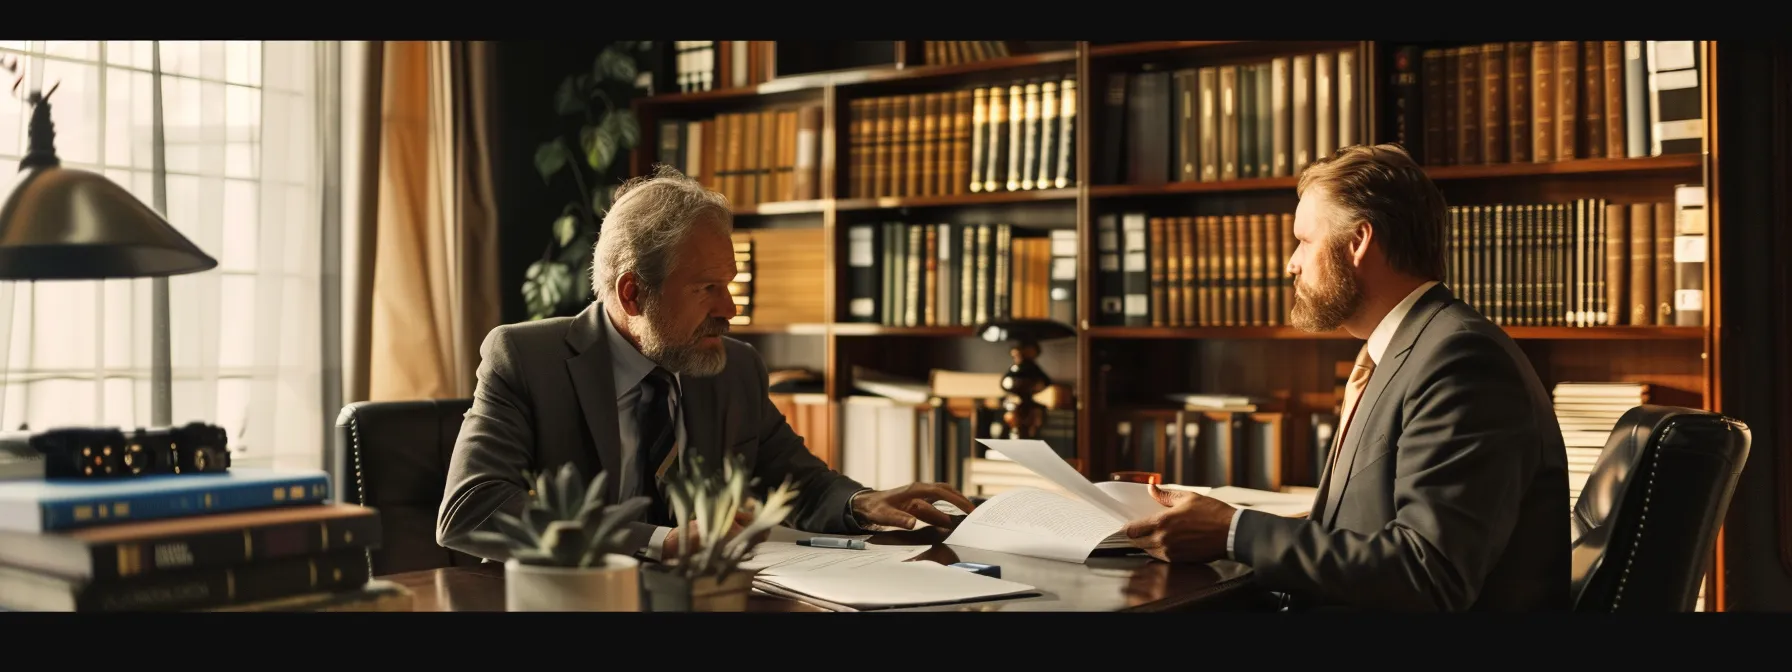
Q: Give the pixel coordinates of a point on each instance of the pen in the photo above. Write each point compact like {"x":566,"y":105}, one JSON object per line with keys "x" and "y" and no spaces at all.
{"x":832,"y":542}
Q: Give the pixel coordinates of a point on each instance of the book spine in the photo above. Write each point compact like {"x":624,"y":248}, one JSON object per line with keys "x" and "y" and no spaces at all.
{"x":220,"y":586}
{"x":73,"y":513}
{"x":120,"y":560}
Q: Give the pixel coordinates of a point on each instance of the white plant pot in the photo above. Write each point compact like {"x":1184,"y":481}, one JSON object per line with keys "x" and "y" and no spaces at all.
{"x":614,"y":585}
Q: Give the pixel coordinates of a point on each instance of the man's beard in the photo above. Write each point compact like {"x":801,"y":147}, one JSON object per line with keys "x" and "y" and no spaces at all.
{"x":1324,"y":306}
{"x":681,"y":354}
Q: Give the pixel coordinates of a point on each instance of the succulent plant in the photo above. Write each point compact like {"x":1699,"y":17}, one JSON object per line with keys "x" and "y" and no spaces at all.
{"x":706,"y":502}
{"x":565,"y":523}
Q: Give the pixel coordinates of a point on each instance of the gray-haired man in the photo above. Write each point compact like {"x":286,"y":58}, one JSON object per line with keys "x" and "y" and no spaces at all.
{"x":642,"y":375}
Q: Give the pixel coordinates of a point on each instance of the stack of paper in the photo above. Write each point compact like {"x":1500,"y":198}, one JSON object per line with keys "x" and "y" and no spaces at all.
{"x":1056,"y":526}
{"x":783,"y":557}
{"x":887,"y":585}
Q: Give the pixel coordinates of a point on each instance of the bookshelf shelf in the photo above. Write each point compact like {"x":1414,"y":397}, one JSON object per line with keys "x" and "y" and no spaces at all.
{"x":783,"y":208}
{"x":816,"y":329}
{"x":921,"y":73}
{"x":1274,"y":333}
{"x":1157,"y":47}
{"x":1671,"y":162}
{"x":1067,"y":194}
{"x":858,"y":329}
{"x":1190,"y":187}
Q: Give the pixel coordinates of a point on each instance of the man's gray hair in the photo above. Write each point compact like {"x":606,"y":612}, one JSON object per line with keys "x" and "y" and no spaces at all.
{"x":645,"y":224}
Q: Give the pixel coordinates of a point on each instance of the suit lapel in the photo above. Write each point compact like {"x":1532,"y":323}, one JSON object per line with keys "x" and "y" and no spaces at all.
{"x":1361,"y":425}
{"x":592,"y":381}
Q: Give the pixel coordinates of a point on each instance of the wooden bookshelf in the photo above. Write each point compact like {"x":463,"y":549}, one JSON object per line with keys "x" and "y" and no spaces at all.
{"x":1283,"y":362}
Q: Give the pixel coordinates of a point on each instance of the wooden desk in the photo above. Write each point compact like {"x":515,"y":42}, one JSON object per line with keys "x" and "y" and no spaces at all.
{"x":1104,"y":583}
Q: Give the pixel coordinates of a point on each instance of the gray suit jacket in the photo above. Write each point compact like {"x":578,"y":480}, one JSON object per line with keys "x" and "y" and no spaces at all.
{"x":545,"y":397}
{"x":1451,"y":491}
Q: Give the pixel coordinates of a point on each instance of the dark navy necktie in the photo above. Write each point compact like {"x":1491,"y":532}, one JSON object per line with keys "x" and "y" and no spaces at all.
{"x":658,"y":433}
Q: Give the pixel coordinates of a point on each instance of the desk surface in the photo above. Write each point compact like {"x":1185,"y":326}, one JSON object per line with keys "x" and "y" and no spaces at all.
{"x":1104,"y":583}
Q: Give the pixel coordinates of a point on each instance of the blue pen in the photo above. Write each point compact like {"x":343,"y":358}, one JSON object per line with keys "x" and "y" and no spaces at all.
{"x":832,"y":542}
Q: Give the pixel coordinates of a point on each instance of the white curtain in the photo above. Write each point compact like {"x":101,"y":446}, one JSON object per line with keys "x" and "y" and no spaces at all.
{"x":245,"y":178}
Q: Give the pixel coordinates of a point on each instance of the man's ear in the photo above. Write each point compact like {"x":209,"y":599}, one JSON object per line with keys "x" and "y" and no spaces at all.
{"x":1360,"y":241}
{"x":628,"y":293}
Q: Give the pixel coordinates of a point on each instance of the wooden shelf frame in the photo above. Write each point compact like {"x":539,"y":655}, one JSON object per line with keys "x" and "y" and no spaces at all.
{"x":1089,"y":63}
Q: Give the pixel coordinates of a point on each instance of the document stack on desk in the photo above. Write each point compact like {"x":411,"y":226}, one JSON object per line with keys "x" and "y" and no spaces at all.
{"x":1050,"y":525}
{"x":783,"y":552}
{"x":889,"y":585}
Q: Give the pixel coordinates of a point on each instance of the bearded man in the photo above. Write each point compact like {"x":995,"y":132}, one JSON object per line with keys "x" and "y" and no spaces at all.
{"x":643,"y":381}
{"x":1446,"y":487}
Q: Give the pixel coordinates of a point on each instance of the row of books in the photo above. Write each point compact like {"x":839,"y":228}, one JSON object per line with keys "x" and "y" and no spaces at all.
{"x":906,"y":274}
{"x":1542,"y":101}
{"x":1185,"y":271}
{"x":240,"y":540}
{"x":705,"y":65}
{"x":1015,"y":137}
{"x":1582,"y":263}
{"x":1225,"y":122}
{"x":761,"y":156}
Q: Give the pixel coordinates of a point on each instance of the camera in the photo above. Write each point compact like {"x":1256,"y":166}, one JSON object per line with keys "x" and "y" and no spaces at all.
{"x":104,"y":452}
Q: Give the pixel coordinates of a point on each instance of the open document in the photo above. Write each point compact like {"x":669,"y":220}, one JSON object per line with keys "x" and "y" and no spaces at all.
{"x":1050,"y":525}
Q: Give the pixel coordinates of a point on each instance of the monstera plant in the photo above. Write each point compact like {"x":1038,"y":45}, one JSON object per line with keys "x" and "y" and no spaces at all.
{"x":589,"y":156}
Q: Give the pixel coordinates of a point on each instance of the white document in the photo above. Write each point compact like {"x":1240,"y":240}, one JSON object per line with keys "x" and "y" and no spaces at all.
{"x":900,"y":584}
{"x":1049,"y":525}
{"x":781,"y":557}
{"x":793,"y":535}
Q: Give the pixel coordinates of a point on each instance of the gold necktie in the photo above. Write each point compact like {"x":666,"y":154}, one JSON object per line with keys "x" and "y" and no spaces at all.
{"x":1353,"y":390}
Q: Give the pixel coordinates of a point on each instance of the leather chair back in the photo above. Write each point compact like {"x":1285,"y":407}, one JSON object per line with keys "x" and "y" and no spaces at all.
{"x":1648,"y":517}
{"x":393,"y":456}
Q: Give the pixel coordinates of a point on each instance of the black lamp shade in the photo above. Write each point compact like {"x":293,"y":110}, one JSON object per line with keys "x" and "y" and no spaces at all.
{"x":68,"y":224}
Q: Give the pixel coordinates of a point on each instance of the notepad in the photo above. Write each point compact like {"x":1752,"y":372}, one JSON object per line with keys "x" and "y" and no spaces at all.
{"x":883,"y":586}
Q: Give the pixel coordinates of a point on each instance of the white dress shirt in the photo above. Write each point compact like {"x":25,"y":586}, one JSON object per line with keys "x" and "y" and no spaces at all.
{"x":629,"y":367}
{"x":1378,"y":346}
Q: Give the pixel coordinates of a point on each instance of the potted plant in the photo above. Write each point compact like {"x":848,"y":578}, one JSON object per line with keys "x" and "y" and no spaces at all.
{"x":566,"y":550}
{"x":705,"y":575}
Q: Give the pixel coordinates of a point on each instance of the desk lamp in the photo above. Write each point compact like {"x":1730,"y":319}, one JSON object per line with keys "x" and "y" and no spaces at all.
{"x":67,"y":224}
{"x":1021,"y":413}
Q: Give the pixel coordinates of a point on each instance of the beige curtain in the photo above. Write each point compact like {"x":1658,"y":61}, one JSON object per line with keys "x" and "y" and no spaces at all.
{"x":427,"y":257}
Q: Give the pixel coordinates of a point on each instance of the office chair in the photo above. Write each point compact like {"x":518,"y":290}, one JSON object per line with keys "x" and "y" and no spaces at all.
{"x":393,"y":456}
{"x":1647,"y":519}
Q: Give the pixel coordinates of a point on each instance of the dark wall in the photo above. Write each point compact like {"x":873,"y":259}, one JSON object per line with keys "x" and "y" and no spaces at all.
{"x":1754,"y":165}
{"x":528,"y":74}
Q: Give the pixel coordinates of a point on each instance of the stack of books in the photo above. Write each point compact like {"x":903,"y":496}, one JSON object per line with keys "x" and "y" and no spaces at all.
{"x":243,"y":539}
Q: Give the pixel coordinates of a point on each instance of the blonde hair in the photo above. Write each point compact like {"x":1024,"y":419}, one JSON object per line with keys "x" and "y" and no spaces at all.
{"x":1382,"y":185}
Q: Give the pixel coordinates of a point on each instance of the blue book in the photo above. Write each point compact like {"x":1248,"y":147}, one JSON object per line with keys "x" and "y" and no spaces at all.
{"x":41,"y":505}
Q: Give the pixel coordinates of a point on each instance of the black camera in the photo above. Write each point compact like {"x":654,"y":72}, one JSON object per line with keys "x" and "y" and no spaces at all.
{"x":103,"y":452}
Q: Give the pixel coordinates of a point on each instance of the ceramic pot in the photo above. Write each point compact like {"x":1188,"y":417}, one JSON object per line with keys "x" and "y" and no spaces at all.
{"x":614,"y":585}
{"x":664,"y":590}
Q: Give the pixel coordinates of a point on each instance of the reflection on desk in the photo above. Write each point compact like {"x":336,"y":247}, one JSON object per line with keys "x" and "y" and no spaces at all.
{"x":1103,"y":583}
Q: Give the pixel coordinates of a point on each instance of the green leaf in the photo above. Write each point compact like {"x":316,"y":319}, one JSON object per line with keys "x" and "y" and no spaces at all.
{"x":571,"y":491}
{"x":519,"y":533}
{"x":574,"y":95}
{"x":545,"y":284}
{"x":623,"y":125}
{"x":615,"y":64}
{"x":600,"y":148}
{"x":565,"y":228}
{"x":550,"y":157}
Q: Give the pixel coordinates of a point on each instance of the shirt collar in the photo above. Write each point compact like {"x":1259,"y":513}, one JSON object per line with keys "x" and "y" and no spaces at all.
{"x":1390,"y":323}
{"x":628,"y":365}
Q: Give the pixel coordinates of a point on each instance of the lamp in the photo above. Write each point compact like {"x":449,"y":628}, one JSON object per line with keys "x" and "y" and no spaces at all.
{"x":69,"y":224}
{"x":1021,"y":413}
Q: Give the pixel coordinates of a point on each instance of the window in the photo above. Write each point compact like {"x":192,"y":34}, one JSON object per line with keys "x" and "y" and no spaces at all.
{"x":243,"y":182}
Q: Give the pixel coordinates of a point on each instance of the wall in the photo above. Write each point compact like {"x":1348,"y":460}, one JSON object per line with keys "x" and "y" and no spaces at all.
{"x":529,"y":73}
{"x":1754,"y":159}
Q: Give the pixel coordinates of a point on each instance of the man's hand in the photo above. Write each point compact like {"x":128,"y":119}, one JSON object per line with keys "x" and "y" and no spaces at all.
{"x":1191,"y":529}
{"x":669,"y":550}
{"x":901,"y":507}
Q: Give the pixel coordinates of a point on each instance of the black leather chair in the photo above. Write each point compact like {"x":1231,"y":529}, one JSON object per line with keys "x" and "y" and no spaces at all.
{"x":1647,"y":519}
{"x":393,"y":456}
